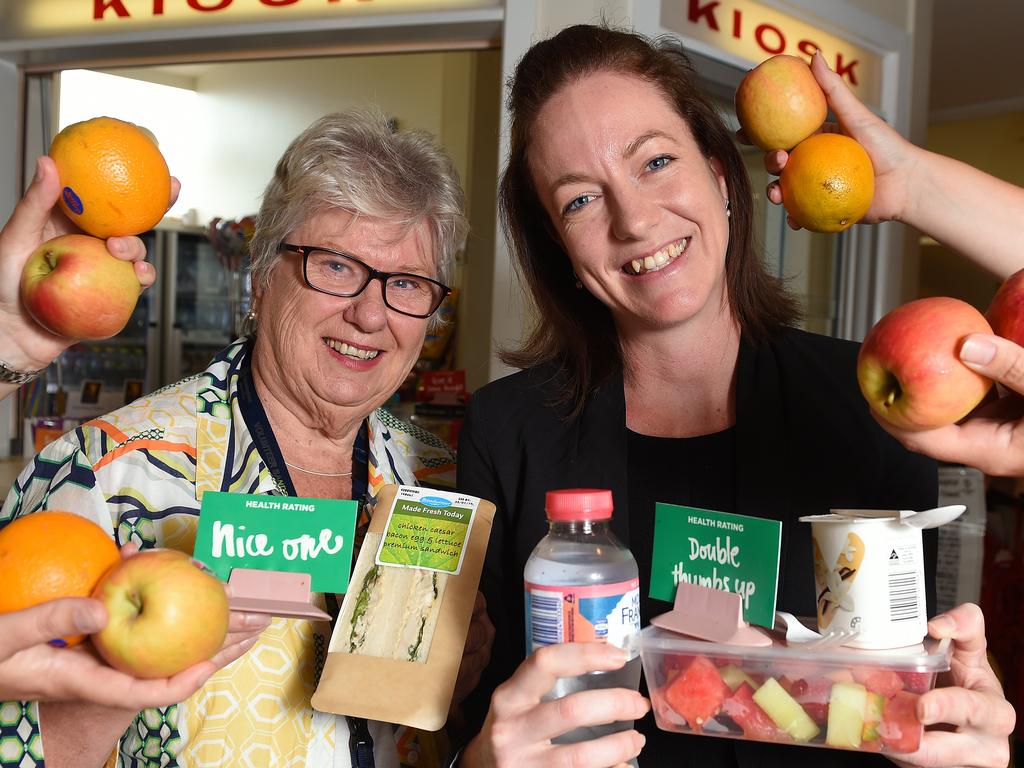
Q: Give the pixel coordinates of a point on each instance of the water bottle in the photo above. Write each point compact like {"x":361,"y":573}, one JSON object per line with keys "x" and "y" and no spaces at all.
{"x":581,"y":584}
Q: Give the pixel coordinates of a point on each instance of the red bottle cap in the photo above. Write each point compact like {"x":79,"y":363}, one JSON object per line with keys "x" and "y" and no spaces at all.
{"x":578,"y":504}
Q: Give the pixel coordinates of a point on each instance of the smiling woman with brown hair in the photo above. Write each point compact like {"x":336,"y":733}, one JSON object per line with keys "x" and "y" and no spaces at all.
{"x":665,"y":365}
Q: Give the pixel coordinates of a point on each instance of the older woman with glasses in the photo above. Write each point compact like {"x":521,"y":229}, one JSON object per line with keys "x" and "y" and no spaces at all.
{"x":354,"y":243}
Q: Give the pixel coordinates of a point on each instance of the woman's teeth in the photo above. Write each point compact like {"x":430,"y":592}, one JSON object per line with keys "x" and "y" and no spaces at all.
{"x":345,"y":349}
{"x":659,"y":260}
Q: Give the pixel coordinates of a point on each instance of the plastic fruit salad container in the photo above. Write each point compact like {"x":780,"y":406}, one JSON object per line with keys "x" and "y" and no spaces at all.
{"x":827,"y":697}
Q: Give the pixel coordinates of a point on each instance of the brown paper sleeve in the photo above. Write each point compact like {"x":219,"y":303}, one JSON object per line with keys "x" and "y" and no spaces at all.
{"x":416,"y":694}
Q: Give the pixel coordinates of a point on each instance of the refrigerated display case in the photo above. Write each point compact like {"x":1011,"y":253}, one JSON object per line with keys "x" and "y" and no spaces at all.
{"x":194,"y":310}
{"x":204,"y":304}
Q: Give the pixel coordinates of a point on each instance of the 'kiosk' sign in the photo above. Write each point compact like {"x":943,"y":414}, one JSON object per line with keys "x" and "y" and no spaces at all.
{"x":753,"y":32}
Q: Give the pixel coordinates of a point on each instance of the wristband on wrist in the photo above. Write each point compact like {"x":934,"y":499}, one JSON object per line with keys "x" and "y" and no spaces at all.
{"x":9,"y":375}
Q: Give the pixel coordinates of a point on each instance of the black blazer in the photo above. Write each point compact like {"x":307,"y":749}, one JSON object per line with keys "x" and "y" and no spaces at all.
{"x":805,"y":442}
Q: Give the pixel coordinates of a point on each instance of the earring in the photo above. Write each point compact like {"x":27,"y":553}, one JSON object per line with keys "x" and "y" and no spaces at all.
{"x":728,"y":211}
{"x":249,"y":322}
{"x":579,"y":285}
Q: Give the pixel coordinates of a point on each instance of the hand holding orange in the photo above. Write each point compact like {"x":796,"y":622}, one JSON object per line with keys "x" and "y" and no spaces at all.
{"x":114,"y":182}
{"x":47,"y":555}
{"x":114,"y":179}
{"x":828,"y":183}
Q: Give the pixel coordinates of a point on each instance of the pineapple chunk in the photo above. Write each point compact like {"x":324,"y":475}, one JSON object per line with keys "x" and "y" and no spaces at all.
{"x":784,"y":711}
{"x":735,"y":677}
{"x":846,"y":707}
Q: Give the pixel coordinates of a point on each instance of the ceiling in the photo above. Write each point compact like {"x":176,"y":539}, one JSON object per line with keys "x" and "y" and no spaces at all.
{"x":977,"y":58}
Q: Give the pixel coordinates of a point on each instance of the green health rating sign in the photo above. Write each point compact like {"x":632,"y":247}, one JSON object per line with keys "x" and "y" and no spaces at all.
{"x":278,"y":533}
{"x":427,"y":529}
{"x":734,"y":553}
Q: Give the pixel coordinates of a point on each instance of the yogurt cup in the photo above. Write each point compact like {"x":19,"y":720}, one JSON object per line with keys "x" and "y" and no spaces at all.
{"x":869,"y":573}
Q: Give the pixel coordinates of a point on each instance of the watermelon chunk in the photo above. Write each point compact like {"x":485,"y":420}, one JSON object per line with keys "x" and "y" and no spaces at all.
{"x":697,"y":694}
{"x":900,"y":729}
{"x":881,"y":681}
{"x":755,"y":723}
{"x":916,"y":682}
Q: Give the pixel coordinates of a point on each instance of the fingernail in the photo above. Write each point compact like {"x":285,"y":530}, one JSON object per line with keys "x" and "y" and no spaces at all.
{"x":942,"y":624}
{"x":977,"y":351}
{"x":86,"y":620}
{"x":248,"y":643}
{"x":257,"y":621}
{"x":39,"y":170}
{"x":925,"y":713}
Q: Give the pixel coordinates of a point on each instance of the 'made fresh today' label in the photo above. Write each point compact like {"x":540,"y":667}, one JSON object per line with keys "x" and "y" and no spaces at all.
{"x":427,"y":529}
{"x":734,"y":553}
{"x":604,"y":613}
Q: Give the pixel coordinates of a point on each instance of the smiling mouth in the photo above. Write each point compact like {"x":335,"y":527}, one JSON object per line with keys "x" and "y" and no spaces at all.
{"x":349,"y":351}
{"x":659,"y":260}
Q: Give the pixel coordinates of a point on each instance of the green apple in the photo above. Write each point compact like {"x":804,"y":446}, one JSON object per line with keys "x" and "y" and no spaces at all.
{"x":846,"y":706}
{"x":784,"y":711}
{"x":165,"y":614}
{"x":909,"y":368}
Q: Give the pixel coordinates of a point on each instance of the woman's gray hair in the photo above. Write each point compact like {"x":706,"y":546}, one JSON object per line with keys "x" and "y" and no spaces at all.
{"x":354,"y":161}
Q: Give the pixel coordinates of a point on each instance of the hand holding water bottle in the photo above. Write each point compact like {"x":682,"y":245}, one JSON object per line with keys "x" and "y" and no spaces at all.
{"x":574,"y":699}
{"x":522,"y":724}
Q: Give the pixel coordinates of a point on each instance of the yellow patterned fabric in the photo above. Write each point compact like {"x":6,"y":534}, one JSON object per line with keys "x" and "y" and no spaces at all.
{"x":140,"y":473}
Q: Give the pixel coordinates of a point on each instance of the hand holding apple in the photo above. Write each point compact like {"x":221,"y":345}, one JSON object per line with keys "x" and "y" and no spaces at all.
{"x":909,"y":369}
{"x":24,"y":345}
{"x":75,"y":288}
{"x":164,"y":614}
{"x":779,"y":103}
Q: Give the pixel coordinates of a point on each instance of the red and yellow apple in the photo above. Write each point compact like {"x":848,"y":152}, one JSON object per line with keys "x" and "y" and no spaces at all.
{"x":74,"y":287}
{"x":164,"y":614}
{"x":909,"y":368}
{"x":779,"y":103}
{"x":1006,"y":312}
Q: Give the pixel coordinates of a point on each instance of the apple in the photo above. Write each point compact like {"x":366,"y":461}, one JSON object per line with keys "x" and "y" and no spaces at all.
{"x":779,"y":103}
{"x":165,"y":613}
{"x":1006,"y":312}
{"x":908,"y":367}
{"x":74,"y":287}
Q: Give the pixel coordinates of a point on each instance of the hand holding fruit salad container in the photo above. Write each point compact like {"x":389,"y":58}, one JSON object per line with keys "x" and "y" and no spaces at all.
{"x":753,"y":684}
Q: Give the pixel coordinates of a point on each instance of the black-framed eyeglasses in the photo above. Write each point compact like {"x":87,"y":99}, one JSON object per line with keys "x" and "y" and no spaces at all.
{"x":339,"y":274}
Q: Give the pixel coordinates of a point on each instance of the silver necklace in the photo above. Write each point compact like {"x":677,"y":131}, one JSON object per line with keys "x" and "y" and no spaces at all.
{"x":319,"y":474}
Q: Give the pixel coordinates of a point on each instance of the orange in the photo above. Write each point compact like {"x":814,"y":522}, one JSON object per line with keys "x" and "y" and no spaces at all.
{"x":47,"y":555}
{"x":828,"y":183}
{"x":114,"y":179}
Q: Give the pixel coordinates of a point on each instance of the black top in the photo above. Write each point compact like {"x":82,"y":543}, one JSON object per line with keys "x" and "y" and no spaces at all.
{"x":804,"y":442}
{"x":692,"y":471}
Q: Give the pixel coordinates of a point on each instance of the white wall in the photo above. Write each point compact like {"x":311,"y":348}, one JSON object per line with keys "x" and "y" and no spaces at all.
{"x":248,"y":114}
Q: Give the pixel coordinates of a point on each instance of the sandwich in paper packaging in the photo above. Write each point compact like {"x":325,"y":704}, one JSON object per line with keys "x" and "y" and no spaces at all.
{"x":401,"y":629}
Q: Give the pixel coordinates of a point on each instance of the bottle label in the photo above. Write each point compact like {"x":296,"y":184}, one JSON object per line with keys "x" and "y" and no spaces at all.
{"x":603,"y":613}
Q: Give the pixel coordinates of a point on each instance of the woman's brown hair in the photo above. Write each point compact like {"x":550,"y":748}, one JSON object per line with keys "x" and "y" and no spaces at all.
{"x":574,"y":330}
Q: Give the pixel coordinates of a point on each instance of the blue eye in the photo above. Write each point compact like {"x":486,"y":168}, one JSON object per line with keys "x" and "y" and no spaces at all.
{"x":659,"y":162}
{"x":577,"y":203}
